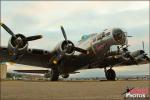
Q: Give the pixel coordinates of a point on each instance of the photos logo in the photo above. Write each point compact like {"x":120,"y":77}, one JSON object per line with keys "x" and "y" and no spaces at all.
{"x":136,"y":93}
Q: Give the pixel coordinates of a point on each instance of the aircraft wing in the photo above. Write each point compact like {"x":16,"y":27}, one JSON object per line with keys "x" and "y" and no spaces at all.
{"x":33,"y":71}
{"x":37,"y":57}
{"x":17,"y":50}
{"x":121,"y":61}
{"x":128,"y":63}
{"x":37,"y":71}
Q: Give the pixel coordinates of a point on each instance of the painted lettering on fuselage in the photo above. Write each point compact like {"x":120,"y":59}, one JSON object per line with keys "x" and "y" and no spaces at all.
{"x":104,"y":46}
{"x":100,"y":46}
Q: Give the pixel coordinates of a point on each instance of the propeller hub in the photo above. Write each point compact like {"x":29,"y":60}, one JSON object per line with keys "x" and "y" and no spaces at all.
{"x":67,"y":47}
{"x":19,"y":41}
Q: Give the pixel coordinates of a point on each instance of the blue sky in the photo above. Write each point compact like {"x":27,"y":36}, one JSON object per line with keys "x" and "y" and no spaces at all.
{"x":78,"y":18}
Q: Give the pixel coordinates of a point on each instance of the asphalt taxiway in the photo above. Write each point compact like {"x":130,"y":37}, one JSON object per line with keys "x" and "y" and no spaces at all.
{"x":67,"y":90}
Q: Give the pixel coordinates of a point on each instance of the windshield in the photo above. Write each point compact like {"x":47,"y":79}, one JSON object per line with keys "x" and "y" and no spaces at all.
{"x":84,"y":37}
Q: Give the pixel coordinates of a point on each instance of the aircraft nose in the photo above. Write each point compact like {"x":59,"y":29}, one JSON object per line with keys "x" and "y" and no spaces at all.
{"x":119,"y":36}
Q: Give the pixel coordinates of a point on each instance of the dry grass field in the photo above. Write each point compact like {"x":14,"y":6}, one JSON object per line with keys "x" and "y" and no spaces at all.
{"x":63,"y":90}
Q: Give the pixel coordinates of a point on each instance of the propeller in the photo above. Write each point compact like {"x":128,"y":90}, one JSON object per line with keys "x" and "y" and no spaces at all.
{"x":19,"y":39}
{"x":125,"y":50}
{"x":68,"y":47}
{"x":30,"y":38}
{"x":72,"y":46}
{"x":128,"y":55}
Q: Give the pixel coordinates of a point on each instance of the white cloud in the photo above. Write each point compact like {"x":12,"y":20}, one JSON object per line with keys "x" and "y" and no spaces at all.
{"x":45,"y":17}
{"x":45,"y":14}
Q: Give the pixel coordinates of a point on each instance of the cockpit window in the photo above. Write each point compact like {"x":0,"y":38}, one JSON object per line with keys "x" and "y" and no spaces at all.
{"x":84,"y":37}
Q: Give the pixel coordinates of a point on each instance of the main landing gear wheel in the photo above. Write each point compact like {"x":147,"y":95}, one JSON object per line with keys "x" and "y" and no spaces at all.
{"x":110,"y":74}
{"x":54,"y":74}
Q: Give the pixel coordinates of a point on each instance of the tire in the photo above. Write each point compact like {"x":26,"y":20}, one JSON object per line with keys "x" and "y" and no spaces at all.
{"x":54,"y":74}
{"x":110,"y":74}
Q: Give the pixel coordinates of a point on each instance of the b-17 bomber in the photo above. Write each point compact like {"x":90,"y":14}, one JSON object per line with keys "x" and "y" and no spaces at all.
{"x":91,"y":51}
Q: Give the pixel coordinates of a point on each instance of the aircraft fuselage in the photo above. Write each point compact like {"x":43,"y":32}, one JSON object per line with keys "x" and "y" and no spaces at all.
{"x":98,"y":45}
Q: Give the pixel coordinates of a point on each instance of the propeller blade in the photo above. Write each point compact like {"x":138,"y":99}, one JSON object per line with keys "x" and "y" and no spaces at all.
{"x":8,"y":30}
{"x":143,"y":45}
{"x":80,"y":50}
{"x":129,"y":36}
{"x":64,"y":33}
{"x":125,"y":50}
{"x":31,"y":38}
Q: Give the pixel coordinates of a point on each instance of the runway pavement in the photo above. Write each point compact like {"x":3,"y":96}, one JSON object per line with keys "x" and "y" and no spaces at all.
{"x":63,"y":90}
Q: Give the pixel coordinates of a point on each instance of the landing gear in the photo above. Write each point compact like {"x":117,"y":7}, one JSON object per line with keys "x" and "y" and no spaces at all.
{"x":65,"y":75}
{"x":110,"y":74}
{"x":54,"y":74}
{"x":47,"y":75}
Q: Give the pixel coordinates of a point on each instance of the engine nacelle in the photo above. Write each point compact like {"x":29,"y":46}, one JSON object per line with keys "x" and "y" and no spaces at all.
{"x":64,"y":47}
{"x":13,"y":44}
{"x":139,"y":57}
{"x":137,"y":53}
